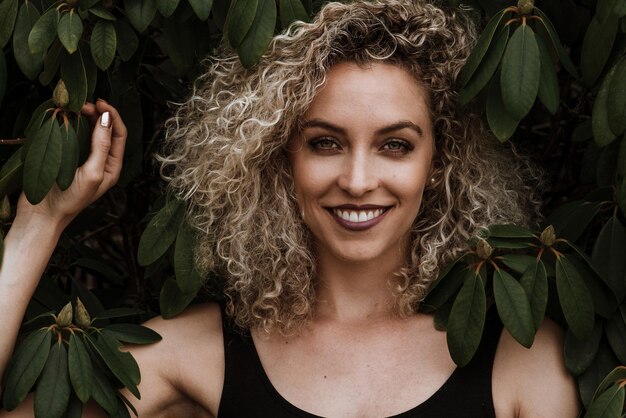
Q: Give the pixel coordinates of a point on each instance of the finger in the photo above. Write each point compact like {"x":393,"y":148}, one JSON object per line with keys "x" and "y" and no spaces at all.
{"x":100,"y":147}
{"x":119,"y":129}
{"x":90,"y":112}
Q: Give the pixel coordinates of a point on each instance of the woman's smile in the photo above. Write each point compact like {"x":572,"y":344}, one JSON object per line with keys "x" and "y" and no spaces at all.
{"x":355,"y":218}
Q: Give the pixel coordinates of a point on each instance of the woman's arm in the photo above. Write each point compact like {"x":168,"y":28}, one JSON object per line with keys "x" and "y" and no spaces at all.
{"x":36,"y":228}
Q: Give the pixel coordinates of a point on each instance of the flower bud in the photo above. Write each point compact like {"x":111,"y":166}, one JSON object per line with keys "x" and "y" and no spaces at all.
{"x":60,"y":96}
{"x":83,"y":319}
{"x":525,"y":6}
{"x":548,"y":236}
{"x":483,"y":249}
{"x":5,"y":209}
{"x":64,"y":319}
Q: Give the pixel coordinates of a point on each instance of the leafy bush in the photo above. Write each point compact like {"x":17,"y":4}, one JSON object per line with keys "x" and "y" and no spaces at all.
{"x":142,"y":54}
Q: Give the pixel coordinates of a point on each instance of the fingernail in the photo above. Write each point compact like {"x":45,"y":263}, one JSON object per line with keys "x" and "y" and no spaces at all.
{"x":102,"y":100}
{"x":105,"y":120}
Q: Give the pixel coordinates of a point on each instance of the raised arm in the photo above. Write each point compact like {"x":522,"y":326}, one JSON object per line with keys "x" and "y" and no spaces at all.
{"x":36,"y":228}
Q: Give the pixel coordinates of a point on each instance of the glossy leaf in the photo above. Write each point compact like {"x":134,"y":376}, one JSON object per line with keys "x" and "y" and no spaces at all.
{"x":574,"y":298}
{"x":509,"y":231}
{"x":519,"y":263}
{"x":10,"y":172}
{"x":615,"y":375}
{"x":87,"y":4}
{"x":127,"y":41}
{"x":616,"y":100}
{"x":597,"y":46}
{"x":75,"y":77}
{"x":513,"y":307}
{"x":69,"y":156}
{"x":290,"y":11}
{"x":486,"y":69}
{"x":571,"y":220}
{"x":140,"y":13}
{"x":70,"y":30}
{"x":556,"y":42}
{"x":29,"y":63}
{"x":445,"y":287}
{"x":132,"y":333}
{"x":161,"y":232}
{"x":241,"y":15}
{"x":103,"y":392}
{"x":119,"y":313}
{"x":25,"y":367}
{"x":548,"y":91}
{"x":602,"y":133}
{"x":187,"y":276}
{"x":481,"y":48}
{"x":579,"y":354}
{"x":608,"y":256}
{"x":52,"y":394}
{"x":51,"y":64}
{"x":8,"y":13}
{"x":609,"y":404}
{"x":202,"y":8}
{"x":500,"y":122}
{"x":535,"y":284}
{"x":520,"y":74}
{"x":80,"y":368}
{"x":102,"y":12}
{"x":596,"y":373}
{"x":103,"y":44}
{"x":509,"y":242}
{"x":260,"y":34}
{"x":42,"y":163}
{"x":44,"y":31}
{"x":604,"y":301}
{"x":467,"y":320}
{"x":172,"y":300}
{"x":616,"y":334}
{"x":167,"y":7}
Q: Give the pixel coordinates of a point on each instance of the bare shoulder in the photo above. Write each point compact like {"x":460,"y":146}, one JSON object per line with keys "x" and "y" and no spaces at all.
{"x":534,"y":382}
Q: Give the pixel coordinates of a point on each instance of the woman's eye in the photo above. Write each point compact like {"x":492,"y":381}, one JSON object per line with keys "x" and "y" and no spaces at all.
{"x":324,"y":144}
{"x":398,"y":146}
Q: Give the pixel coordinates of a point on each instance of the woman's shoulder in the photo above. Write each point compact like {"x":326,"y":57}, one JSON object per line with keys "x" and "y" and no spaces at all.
{"x":531,"y":382}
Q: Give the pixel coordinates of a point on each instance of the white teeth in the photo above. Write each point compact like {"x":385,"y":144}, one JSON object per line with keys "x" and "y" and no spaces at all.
{"x":358,"y":216}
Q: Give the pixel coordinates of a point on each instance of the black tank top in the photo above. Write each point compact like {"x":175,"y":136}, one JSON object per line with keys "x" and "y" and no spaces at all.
{"x":248,"y":392}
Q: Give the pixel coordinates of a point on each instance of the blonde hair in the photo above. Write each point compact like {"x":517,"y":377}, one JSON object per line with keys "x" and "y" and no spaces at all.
{"x":225,"y":155}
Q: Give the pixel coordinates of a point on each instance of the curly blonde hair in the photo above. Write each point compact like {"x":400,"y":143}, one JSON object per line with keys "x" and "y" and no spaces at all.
{"x":225,"y":155}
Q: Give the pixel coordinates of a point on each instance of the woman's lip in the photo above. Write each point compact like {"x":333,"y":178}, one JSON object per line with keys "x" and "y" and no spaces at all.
{"x":359,"y":226}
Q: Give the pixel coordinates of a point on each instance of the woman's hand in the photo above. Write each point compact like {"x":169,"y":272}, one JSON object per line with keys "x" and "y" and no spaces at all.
{"x":99,"y":173}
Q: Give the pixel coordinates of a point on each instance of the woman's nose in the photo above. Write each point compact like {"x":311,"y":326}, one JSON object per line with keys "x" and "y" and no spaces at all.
{"x":358,"y":176}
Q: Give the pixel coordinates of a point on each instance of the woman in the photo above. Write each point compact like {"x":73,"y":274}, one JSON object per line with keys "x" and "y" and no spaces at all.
{"x":329,"y":185}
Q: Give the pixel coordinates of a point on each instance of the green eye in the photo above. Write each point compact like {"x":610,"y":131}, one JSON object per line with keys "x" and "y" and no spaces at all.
{"x":397,"y":146}
{"x":324,"y":143}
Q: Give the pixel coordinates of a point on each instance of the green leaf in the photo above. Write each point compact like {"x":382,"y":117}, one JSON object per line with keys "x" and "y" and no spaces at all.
{"x":604,"y":302}
{"x":602,"y":133}
{"x":609,"y":404}
{"x":608,"y":256}
{"x":180,"y":44}
{"x":521,"y":69}
{"x":535,"y":284}
{"x":239,"y":20}
{"x":513,"y":307}
{"x":120,"y":363}
{"x":172,"y":300}
{"x":132,"y":333}
{"x":616,"y":334}
{"x":596,"y":374}
{"x":103,"y":44}
{"x":467,"y":320}
{"x":52,"y":394}
{"x":29,"y":63}
{"x":616,"y":99}
{"x":548,"y":82}
{"x":571,"y":220}
{"x":509,"y":242}
{"x":44,"y":31}
{"x":187,"y":276}
{"x":574,"y":298}
{"x":103,"y":391}
{"x":486,"y":69}
{"x":556,"y":42}
{"x":509,"y":231}
{"x":42,"y":163}
{"x":481,"y":48}
{"x":80,"y":368}
{"x":445,"y":287}
{"x":102,"y":12}
{"x":140,"y":13}
{"x":127,"y":41}
{"x":615,"y":375}
{"x":597,"y":46}
{"x":75,"y":77}
{"x":167,"y":7}
{"x":69,"y":156}
{"x":579,"y":354}
{"x":8,"y":13}
{"x":74,"y":408}
{"x":290,"y":11}
{"x":87,"y":4}
{"x":260,"y":34}
{"x":161,"y":232}
{"x":11,"y":171}
{"x":83,"y":135}
{"x":70,"y":30}
{"x":119,"y":313}
{"x":582,"y":132}
{"x":202,"y":8}
{"x":501,"y":123}
{"x":519,"y":263}
{"x":621,"y":158}
{"x":26,"y":365}
{"x":101,"y":269}
{"x":51,"y":64}
{"x":3,"y":75}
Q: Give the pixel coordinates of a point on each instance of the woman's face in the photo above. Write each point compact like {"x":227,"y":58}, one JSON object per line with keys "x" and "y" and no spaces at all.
{"x":362,"y":160}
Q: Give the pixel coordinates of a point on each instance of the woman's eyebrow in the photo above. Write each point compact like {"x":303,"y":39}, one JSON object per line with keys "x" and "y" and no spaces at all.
{"x":319,"y":123}
{"x":403,"y":124}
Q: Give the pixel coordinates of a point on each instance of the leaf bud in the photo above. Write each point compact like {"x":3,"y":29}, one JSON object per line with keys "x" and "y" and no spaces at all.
{"x":525,"y":6}
{"x":60,"y":95}
{"x":64,"y":319}
{"x":548,"y":236}
{"x":483,"y":249}
{"x":5,"y":209}
{"x":83,"y":319}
